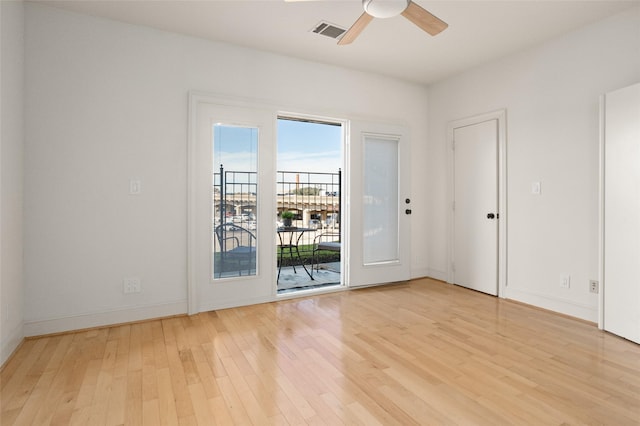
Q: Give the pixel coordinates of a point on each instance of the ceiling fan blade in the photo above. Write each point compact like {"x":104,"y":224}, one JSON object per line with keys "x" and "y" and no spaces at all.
{"x":424,"y":19}
{"x":355,"y":29}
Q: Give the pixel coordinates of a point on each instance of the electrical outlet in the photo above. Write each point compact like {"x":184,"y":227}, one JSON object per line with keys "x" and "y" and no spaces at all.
{"x":131,"y":285}
{"x":594,"y":286}
{"x":565,"y":281}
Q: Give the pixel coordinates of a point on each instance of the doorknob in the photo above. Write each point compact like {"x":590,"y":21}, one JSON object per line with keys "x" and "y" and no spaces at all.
{"x":491,"y":216}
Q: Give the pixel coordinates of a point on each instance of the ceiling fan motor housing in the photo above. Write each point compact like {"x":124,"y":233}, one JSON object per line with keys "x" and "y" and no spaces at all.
{"x":384,"y":8}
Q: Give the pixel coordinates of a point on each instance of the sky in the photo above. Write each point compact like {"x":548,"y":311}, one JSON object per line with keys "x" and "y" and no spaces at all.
{"x":302,"y":147}
{"x":309,"y":147}
{"x":235,"y":148}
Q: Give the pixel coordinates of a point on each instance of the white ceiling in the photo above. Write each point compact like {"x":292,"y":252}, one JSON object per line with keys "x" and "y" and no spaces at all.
{"x":479,"y":30}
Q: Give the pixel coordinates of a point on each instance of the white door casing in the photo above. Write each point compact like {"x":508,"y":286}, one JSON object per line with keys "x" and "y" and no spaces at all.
{"x":478,"y":203}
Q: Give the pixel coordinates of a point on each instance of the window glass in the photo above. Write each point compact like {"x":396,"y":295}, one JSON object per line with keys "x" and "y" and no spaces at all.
{"x":380,"y":200}
{"x":235,"y":194}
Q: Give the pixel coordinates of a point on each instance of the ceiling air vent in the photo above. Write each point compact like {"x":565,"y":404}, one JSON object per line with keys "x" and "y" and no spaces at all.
{"x":329,"y":30}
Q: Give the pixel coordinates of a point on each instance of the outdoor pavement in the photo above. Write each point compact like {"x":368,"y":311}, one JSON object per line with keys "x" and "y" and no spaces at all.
{"x":329,"y":274}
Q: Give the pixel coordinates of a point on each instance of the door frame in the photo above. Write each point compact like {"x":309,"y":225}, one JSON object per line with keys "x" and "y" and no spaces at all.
{"x":500,"y":116}
{"x":350,"y":122}
{"x":344,"y":197}
{"x":195,"y":101}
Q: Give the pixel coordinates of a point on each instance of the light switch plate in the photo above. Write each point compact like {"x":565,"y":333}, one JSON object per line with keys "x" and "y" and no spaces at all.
{"x":135,"y":186}
{"x":536,"y":188}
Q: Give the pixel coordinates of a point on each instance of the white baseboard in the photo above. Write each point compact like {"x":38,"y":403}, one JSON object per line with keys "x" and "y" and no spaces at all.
{"x":437,"y":274}
{"x":428,"y":273}
{"x":419,"y":273}
{"x":234,"y":303}
{"x":563,"y":306}
{"x":104,"y":318}
{"x":10,"y":343}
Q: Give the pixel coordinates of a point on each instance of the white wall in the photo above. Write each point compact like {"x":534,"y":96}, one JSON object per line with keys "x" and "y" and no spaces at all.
{"x":12,"y":138}
{"x":551,"y":95}
{"x":106,"y":102}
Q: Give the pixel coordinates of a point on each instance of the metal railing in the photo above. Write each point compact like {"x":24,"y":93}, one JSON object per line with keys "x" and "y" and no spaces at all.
{"x":313,"y":198}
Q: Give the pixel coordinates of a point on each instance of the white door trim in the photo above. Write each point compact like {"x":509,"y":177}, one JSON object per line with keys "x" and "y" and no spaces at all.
{"x":500,"y":116}
{"x":601,"y":146}
{"x":192,"y":305}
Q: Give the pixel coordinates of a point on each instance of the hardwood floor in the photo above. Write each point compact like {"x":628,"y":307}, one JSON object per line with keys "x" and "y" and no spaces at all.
{"x":418,"y":353}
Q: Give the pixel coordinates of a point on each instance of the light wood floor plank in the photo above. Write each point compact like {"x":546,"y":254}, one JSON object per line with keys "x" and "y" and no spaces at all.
{"x":418,"y":353}
{"x":150,"y":412}
{"x":166,"y":401}
{"x":88,"y":386}
{"x":17,"y":388}
{"x":117,"y":403}
{"x":201,"y":406}
{"x":59,"y":364}
{"x":133,"y":400}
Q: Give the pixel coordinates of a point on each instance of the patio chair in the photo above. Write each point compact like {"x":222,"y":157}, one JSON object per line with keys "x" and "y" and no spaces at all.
{"x":329,"y":241}
{"x":236,"y":245}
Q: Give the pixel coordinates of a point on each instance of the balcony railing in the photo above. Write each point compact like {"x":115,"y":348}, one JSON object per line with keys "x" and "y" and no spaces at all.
{"x":313,"y":198}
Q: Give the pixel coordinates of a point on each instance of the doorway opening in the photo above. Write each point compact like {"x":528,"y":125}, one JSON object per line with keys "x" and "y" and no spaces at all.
{"x":309,"y":200}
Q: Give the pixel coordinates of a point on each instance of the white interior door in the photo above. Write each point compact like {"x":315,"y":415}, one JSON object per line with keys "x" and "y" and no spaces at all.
{"x":475,"y":206}
{"x":238,"y":141}
{"x":622,"y":213}
{"x":379,"y":226}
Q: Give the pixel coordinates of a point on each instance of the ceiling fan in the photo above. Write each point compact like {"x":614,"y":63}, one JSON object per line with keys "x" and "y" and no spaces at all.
{"x":390,"y":8}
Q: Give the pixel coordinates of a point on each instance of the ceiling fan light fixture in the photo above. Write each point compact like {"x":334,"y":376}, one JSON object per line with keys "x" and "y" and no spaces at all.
{"x":385,"y":8}
{"x":419,"y":16}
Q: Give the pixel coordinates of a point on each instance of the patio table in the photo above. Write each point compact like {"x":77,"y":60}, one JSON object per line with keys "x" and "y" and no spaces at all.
{"x":291,"y":243}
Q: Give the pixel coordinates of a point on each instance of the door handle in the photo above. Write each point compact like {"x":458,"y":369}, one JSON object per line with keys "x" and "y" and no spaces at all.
{"x":491,"y":216}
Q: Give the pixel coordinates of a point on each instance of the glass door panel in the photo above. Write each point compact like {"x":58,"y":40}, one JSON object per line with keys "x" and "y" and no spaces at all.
{"x":380,"y":200}
{"x":235,"y":206}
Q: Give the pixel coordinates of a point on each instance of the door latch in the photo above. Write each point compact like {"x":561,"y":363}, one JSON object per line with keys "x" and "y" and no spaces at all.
{"x":408,"y":211}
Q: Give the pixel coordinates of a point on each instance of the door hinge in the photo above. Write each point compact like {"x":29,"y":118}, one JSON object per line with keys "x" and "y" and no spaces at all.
{"x":453,"y":145}
{"x":453,"y":267}
{"x":453,"y":206}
